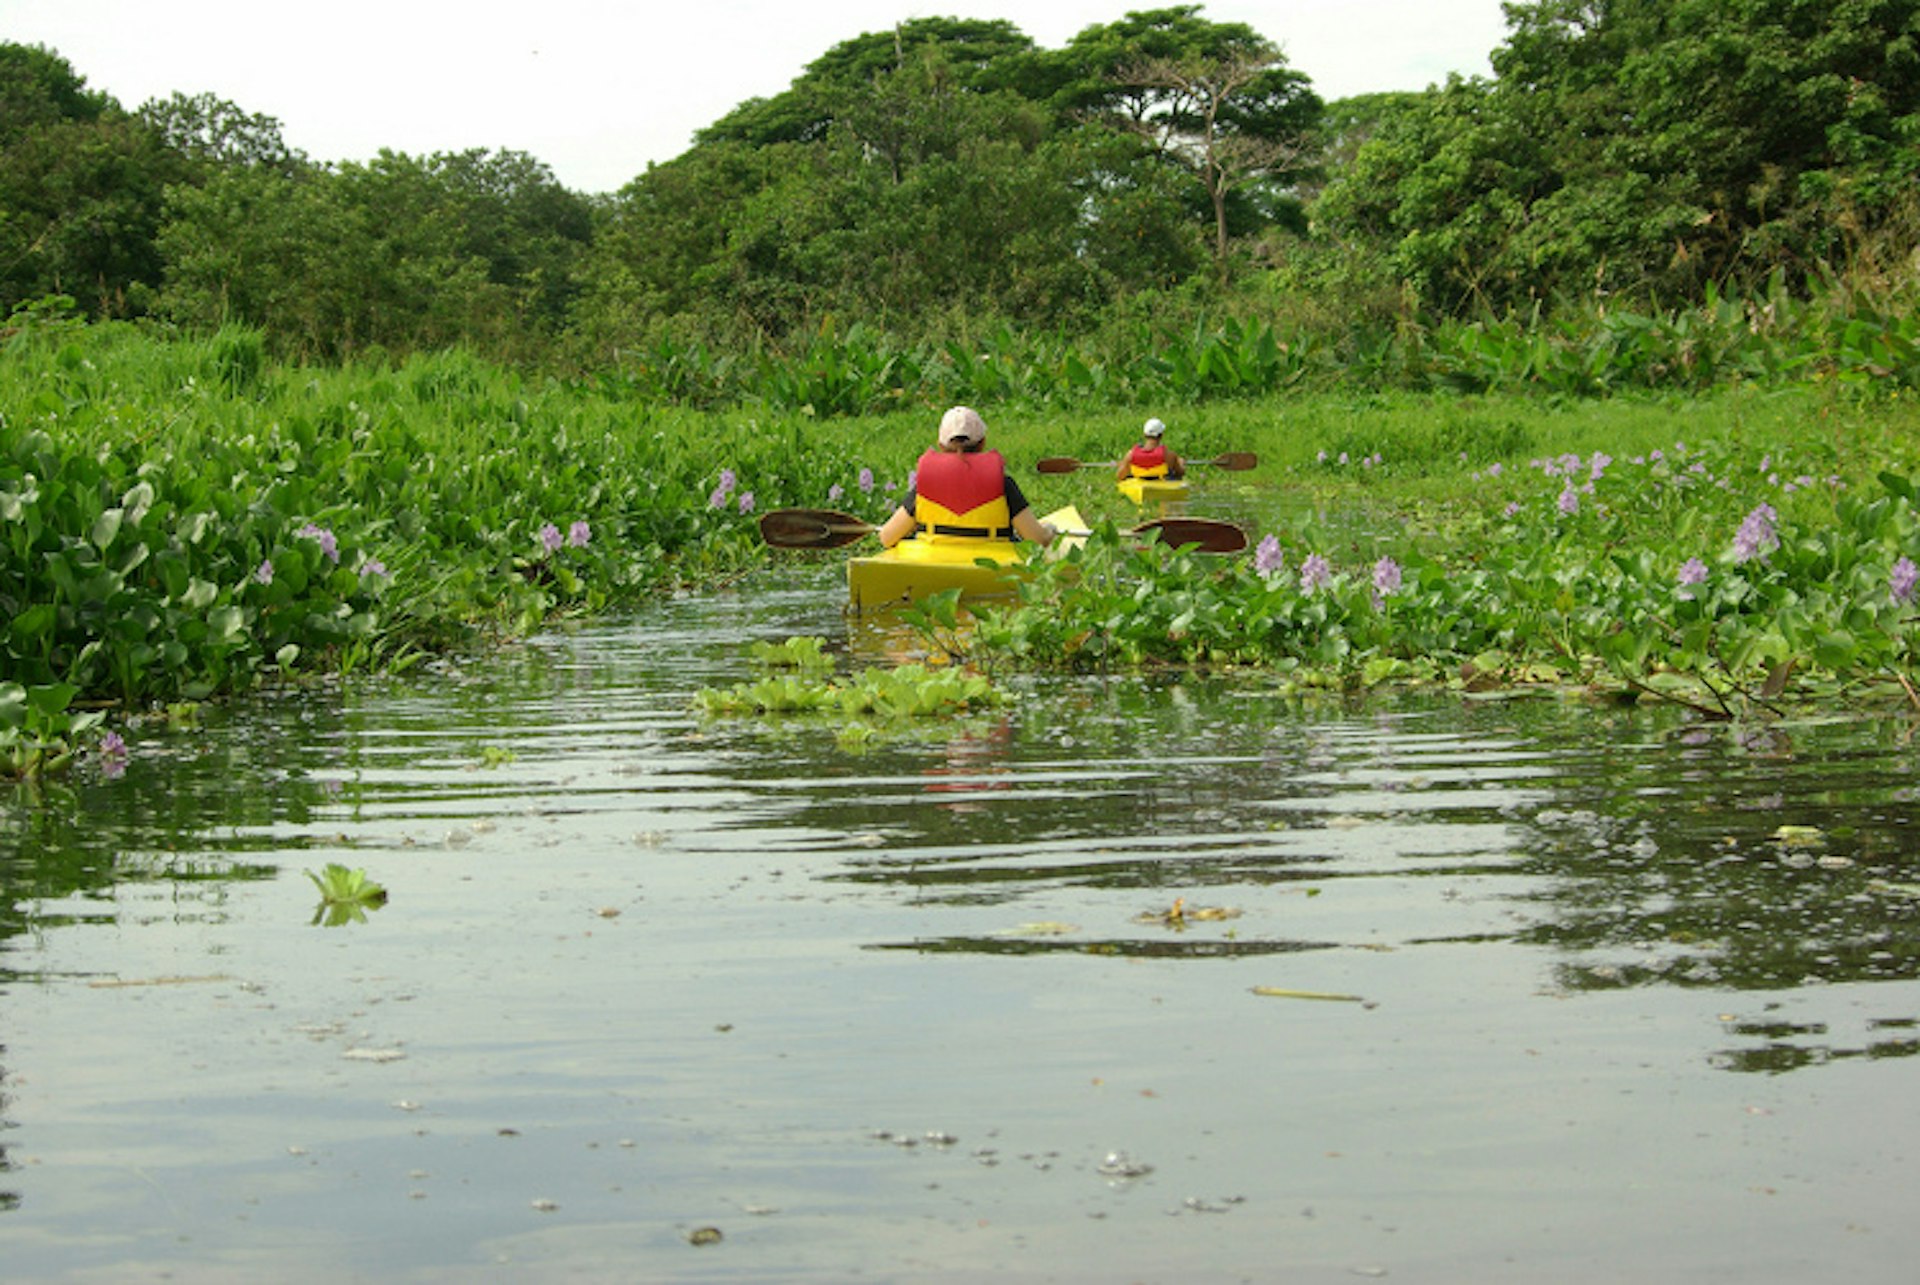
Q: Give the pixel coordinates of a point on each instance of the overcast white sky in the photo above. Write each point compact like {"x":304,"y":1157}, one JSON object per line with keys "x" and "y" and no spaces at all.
{"x":598,"y":89}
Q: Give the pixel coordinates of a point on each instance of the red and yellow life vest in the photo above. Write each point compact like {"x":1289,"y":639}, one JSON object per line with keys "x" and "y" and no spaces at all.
{"x":962,"y":496}
{"x":1147,"y":461}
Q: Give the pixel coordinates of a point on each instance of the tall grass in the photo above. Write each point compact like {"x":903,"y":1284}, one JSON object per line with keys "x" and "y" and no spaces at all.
{"x":1197,"y":354}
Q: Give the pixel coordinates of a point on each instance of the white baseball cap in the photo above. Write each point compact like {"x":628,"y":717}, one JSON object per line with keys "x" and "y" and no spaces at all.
{"x":1154,"y":428}
{"x":962,"y":424}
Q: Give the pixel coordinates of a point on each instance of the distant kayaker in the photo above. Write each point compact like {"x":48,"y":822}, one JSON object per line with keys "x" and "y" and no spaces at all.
{"x":962,"y":491}
{"x":1152,"y":458}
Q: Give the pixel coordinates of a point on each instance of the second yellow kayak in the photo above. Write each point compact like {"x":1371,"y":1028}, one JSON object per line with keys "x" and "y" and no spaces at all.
{"x":1153,"y":490}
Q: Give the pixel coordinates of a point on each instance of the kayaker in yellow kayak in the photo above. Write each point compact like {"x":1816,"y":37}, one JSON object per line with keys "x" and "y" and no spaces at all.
{"x":961,"y":491}
{"x":1152,"y":458}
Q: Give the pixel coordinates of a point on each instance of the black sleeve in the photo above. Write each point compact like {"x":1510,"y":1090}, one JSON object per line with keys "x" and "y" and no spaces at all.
{"x":1016,"y":502}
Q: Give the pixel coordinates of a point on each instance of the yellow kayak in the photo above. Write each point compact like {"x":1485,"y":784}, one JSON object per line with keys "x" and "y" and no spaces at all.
{"x":1154,"y":490}
{"x":917,"y":567}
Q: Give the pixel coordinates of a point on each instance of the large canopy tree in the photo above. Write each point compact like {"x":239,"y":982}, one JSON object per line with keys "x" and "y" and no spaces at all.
{"x":1649,"y":146}
{"x":1215,"y":100}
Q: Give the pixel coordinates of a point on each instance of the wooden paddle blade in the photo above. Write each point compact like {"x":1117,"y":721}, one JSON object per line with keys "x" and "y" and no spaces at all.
{"x":1211,"y":536}
{"x":1067,"y":464}
{"x":1235,"y":461}
{"x":811,"y":528}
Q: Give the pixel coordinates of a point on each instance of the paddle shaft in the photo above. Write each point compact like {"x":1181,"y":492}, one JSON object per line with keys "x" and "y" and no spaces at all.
{"x":1232,"y":461}
{"x":828,"y":529}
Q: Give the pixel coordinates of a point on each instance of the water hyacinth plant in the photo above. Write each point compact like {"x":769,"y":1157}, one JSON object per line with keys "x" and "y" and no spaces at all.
{"x":345,"y":895}
{"x":1526,"y":589}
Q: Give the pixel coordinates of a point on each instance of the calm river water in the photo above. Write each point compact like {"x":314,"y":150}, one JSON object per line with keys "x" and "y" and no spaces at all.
{"x":1592,"y":994}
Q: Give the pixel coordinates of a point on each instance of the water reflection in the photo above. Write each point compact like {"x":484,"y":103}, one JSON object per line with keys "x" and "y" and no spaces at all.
{"x":733,"y":947}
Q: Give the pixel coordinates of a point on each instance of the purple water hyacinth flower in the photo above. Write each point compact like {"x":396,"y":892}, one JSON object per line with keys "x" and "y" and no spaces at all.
{"x":1569,"y":501}
{"x":328,"y":545}
{"x":1597,"y":466}
{"x":718,"y":499}
{"x":1386,"y":578}
{"x":1343,"y":457}
{"x":263,"y":573}
{"x":834,"y":492}
{"x":1323,"y":457}
{"x":1315,"y":572}
{"x":579,"y":534}
{"x":1494,"y":469}
{"x":113,"y":753}
{"x":1512,"y":509}
{"x":374,"y":567}
{"x":866,"y":481}
{"x":1901,"y":580}
{"x":913,"y":478}
{"x":1756,"y":534}
{"x":1268,"y":559}
{"x":549,"y":537}
{"x":746,"y":501}
{"x":727,"y":479}
{"x":1692,"y":572}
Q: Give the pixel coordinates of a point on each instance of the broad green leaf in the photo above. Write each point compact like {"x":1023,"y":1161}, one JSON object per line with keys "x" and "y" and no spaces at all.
{"x":106,"y":527}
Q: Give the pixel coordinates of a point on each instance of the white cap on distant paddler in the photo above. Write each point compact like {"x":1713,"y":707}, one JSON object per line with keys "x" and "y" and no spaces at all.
{"x":1154,"y":428}
{"x":962,"y":424}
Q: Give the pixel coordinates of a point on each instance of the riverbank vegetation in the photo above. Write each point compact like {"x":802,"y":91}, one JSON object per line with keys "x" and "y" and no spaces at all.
{"x":1600,"y":370}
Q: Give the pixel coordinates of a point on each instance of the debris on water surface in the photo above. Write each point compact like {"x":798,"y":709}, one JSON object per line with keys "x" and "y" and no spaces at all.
{"x":940,"y":1139}
{"x":1284,"y":992}
{"x":704,"y":1236}
{"x":1044,"y":928}
{"x":1201,"y":1205}
{"x":373,"y":1055}
{"x":114,"y":983}
{"x":546,"y":1206}
{"x":1118,"y":1164}
{"x":1179,"y":915}
{"x":1801,"y":836}
{"x":608,"y":912}
{"x":406,"y":1104}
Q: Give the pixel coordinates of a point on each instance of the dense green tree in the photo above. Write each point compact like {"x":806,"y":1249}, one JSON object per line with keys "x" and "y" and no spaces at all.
{"x":81,"y":185}
{"x":332,"y":261}
{"x":38,"y":87}
{"x":1649,"y":146}
{"x":973,"y":52}
{"x":919,"y":187}
{"x":471,"y":248}
{"x":213,"y":131}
